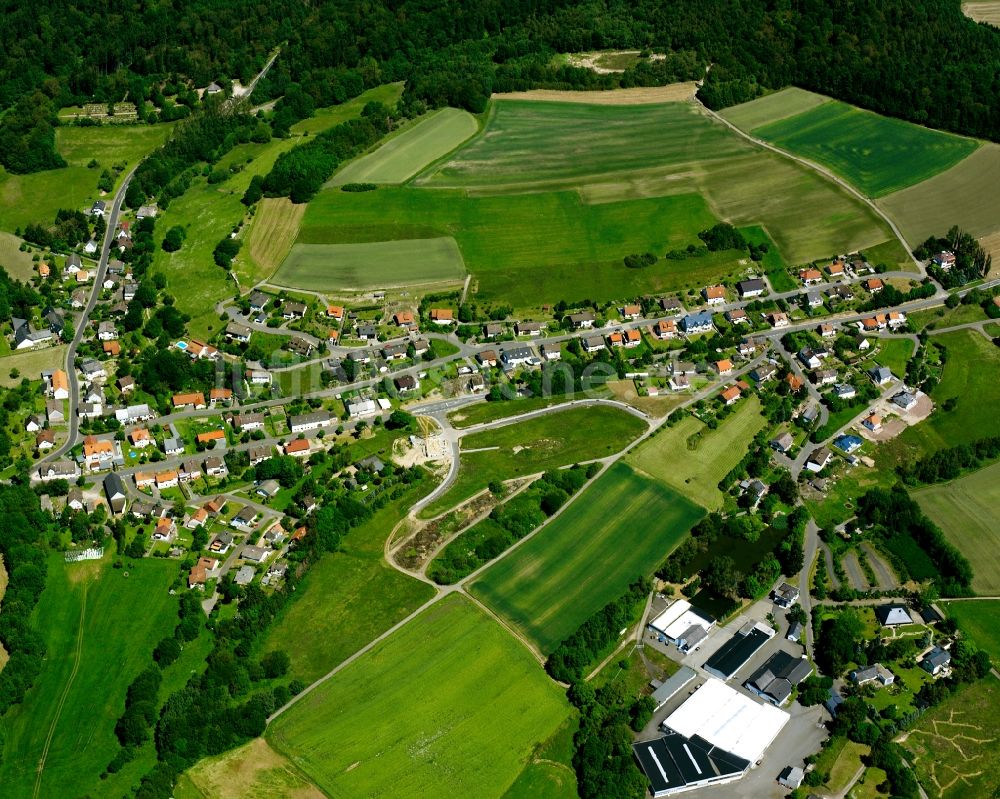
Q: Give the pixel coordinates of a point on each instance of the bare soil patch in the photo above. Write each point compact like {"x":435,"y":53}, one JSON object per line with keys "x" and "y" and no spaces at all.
{"x":674,"y":93}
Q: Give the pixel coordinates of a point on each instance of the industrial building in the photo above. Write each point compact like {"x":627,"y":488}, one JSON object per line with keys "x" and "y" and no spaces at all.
{"x":733,"y":654}
{"x":683,"y":625}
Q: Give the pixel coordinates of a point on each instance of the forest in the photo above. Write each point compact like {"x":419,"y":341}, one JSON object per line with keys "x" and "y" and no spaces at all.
{"x":922,"y":62}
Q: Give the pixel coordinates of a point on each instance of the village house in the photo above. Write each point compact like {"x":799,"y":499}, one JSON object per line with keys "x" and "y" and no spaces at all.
{"x":810,"y":277}
{"x":144,"y":479}
{"x":593,"y":344}
{"x":58,"y":385}
{"x":58,"y":470}
{"x":873,"y":285}
{"x":492,"y":330}
{"x":631,"y":311}
{"x":737,"y":317}
{"x":551,"y":352}
{"x":826,"y":330}
{"x":672,"y":306}
{"x":700,"y":322}
{"x":724,"y":367}
{"x":310,"y":421}
{"x":819,"y":459}
{"x":247,"y":421}
{"x":665,"y":329}
{"x":442,"y":316}
{"x":528,"y":328}
{"x":215,"y":466}
{"x":166,"y":479}
{"x":204,"y":570}
{"x":783,"y":443}
{"x":192,"y":399}
{"x":45,"y":440}
{"x":114,"y":491}
{"x":777,"y":320}
{"x":211,"y":435}
{"x":299,"y":448}
{"x":258,"y":377}
{"x":98,"y":453}
{"x":730,"y":395}
{"x":872,"y":422}
{"x":751,"y":288}
{"x":404,"y":319}
{"x":944,"y":259}
{"x":487,"y":358}
{"x":763,"y":372}
{"x":258,"y":454}
{"x":877,"y":673}
{"x":836,"y":269}
{"x":584,"y":320}
{"x":189,"y":470}
{"x":714,"y":295}
{"x":335,"y":312}
{"x":217,"y":395}
{"x":165,"y":530}
{"x":394,"y":352}
{"x":140,"y":438}
{"x":292,"y":309}
{"x":173,"y":446}
{"x":407,"y":383}
{"x":237,"y":332}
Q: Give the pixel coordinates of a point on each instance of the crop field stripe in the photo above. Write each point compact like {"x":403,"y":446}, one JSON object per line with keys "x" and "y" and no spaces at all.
{"x":450,"y":705}
{"x":274,"y":229}
{"x":772,"y":108}
{"x":405,"y":155}
{"x":617,"y":529}
{"x":965,"y":509}
{"x":877,"y":154}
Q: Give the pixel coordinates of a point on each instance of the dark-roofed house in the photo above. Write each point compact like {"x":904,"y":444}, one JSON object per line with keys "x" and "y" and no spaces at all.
{"x":785,"y":595}
{"x":671,"y":686}
{"x":673,"y":763}
{"x":751,"y":288}
{"x":581,"y":320}
{"x":733,"y":654}
{"x":780,"y":673}
{"x":114,"y":490}
{"x":700,"y":322}
{"x":935,"y":660}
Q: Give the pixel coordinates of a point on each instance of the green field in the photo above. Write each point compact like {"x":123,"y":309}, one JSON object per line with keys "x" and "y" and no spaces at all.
{"x":954,"y":744}
{"x":966,"y":510}
{"x":481,"y":412}
{"x":877,"y":154}
{"x":376,"y":264}
{"x":978,"y":618}
{"x":30,"y":363}
{"x":402,"y":157}
{"x":207,"y":212}
{"x":967,"y":195}
{"x":618,"y":528}
{"x":347,"y":599}
{"x":894,"y":353}
{"x":87,"y":611}
{"x":450,"y":705}
{"x":693,"y":459}
{"x":17,"y":264}
{"x":550,"y":773}
{"x":772,"y":107}
{"x":37,"y":197}
{"x":545,"y":442}
{"x":969,"y":378}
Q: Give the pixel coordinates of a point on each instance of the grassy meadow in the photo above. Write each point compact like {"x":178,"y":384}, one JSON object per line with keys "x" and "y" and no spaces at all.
{"x":451,"y":705}
{"x":978,"y":618}
{"x":965,"y":509}
{"x":876,"y":154}
{"x":772,"y":108}
{"x":375,"y":264}
{"x":17,"y":264}
{"x":403,"y":156}
{"x":545,"y":442}
{"x":90,"y":661}
{"x":30,"y":363}
{"x":620,"y":527}
{"x":693,"y":459}
{"x":272,"y":233}
{"x":347,"y":599}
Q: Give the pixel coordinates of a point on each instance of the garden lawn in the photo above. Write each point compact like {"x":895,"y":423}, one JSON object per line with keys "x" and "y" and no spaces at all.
{"x":893,"y":353}
{"x":403,"y":156}
{"x":966,"y":510}
{"x":978,"y":618}
{"x":545,"y":442}
{"x":954,"y":743}
{"x":347,"y":598}
{"x":449,"y":705}
{"x":772,"y":107}
{"x":87,"y":615}
{"x":693,"y":459}
{"x":617,"y":529}
{"x":877,"y":154}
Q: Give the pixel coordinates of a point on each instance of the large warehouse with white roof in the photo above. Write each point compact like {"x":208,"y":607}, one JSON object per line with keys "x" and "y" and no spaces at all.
{"x":683,"y":625}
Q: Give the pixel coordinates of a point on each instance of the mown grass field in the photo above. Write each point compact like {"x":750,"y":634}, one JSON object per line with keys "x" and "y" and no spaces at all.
{"x":252,"y":770}
{"x":967,"y":195}
{"x":347,"y":599}
{"x":16,"y":263}
{"x":375,"y":264}
{"x":209,"y":212}
{"x":114,"y":643}
{"x":969,"y":378}
{"x":402,"y":157}
{"x":954,"y":744}
{"x":30,"y":364}
{"x":37,"y":197}
{"x":617,"y":529}
{"x":546,"y":442}
{"x":450,"y":705}
{"x":549,"y":774}
{"x":978,"y":618}
{"x":272,"y":233}
{"x":772,"y":107}
{"x":894,"y":353}
{"x":965,"y":509}
{"x":877,"y":154}
{"x":693,"y":459}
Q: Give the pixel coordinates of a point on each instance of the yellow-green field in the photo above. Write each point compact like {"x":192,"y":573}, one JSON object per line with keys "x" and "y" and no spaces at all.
{"x":966,"y":510}
{"x":772,"y":107}
{"x":450,"y":705}
{"x":405,"y":155}
{"x":693,"y":459}
{"x":274,"y":228}
{"x":16,"y":263}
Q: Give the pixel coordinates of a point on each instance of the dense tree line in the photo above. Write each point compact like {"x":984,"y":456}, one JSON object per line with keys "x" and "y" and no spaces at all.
{"x":21,"y":545}
{"x":569,"y":660}
{"x":947,"y":464}
{"x":894,"y":513}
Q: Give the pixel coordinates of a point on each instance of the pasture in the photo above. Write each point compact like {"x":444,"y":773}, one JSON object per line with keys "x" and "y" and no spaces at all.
{"x":877,"y":154}
{"x":954,"y":749}
{"x":347,"y":598}
{"x":403,"y":156}
{"x":450,"y":705}
{"x":772,"y":108}
{"x":978,"y":619}
{"x":619,"y":528}
{"x":80,"y":691}
{"x":30,"y":363}
{"x":545,"y":442}
{"x":969,"y":379}
{"x":967,"y":195}
{"x":965,"y":509}
{"x":693,"y":459}
{"x":272,"y":233}
{"x":375,"y":264}
{"x":16,"y":263}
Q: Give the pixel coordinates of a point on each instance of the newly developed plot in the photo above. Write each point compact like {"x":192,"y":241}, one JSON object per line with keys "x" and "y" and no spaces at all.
{"x":402,"y":157}
{"x":450,"y":705}
{"x":376,"y":264}
{"x":545,"y":442}
{"x":619,"y":528}
{"x":693,"y":459}
{"x":772,"y":108}
{"x":876,"y":154}
{"x":966,"y":510}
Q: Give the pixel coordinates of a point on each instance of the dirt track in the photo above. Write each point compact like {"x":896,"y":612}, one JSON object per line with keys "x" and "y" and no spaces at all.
{"x":674,"y":93}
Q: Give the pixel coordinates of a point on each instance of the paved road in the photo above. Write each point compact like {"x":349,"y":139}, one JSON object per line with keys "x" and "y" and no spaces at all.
{"x":887,"y":579}
{"x":82,"y":325}
{"x":855,"y":575}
